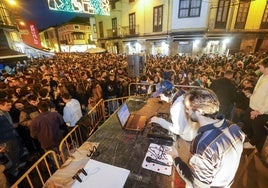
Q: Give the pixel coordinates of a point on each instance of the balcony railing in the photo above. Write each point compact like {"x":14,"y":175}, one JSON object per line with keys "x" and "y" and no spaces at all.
{"x":123,"y":31}
{"x":64,"y":41}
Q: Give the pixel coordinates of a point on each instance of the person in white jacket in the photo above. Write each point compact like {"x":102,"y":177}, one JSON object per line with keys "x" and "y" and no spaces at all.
{"x":72,"y":111}
{"x":180,"y":125}
{"x":258,"y":110}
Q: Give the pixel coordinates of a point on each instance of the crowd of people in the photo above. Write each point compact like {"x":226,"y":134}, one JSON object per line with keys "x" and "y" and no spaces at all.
{"x":56,"y":92}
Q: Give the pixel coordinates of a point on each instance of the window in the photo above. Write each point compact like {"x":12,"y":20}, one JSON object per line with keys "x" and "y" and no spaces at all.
{"x":264,"y":22}
{"x":46,"y":35}
{"x":189,"y":8}
{"x":222,"y":14}
{"x":114,"y":27}
{"x":76,"y":27}
{"x":68,"y":38}
{"x":242,"y":14}
{"x":101,"y":29}
{"x":158,"y":18}
{"x":78,"y":36}
{"x":112,"y":3}
{"x":51,"y":34}
{"x":132,"y":23}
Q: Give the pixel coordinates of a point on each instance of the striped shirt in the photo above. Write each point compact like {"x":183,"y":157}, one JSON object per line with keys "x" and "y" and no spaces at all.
{"x":216,"y":153}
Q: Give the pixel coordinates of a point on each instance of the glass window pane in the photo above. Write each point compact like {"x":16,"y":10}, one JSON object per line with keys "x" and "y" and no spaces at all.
{"x":185,"y":4}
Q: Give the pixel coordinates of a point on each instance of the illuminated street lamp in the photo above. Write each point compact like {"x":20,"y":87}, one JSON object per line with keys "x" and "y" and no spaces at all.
{"x":12,"y":2}
{"x":22,"y":23}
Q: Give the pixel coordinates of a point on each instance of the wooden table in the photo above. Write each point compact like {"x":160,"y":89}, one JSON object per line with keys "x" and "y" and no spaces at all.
{"x":127,"y":149}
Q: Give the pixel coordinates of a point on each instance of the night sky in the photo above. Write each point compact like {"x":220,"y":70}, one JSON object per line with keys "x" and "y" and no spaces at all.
{"x":38,"y":11}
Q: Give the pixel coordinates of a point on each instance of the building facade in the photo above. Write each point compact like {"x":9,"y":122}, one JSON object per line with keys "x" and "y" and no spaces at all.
{"x":19,"y":39}
{"x":237,"y":26}
{"x":9,"y":33}
{"x":169,"y":27}
{"x":131,"y":27}
{"x":77,"y":35}
{"x":49,"y":39}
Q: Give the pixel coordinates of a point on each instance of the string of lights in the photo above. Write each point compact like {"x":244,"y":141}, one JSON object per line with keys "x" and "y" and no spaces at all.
{"x":100,"y":7}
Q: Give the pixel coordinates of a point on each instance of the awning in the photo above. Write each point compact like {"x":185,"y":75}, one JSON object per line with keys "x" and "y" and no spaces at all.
{"x":8,"y":54}
{"x":156,"y":39}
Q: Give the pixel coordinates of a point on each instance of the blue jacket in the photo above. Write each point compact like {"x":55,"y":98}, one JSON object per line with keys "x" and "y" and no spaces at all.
{"x":6,"y":129}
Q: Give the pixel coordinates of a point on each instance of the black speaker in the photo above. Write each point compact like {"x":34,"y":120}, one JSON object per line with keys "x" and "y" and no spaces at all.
{"x":136,"y":65}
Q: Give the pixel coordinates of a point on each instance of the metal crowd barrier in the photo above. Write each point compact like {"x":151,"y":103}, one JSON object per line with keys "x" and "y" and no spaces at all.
{"x":97,"y":114}
{"x":134,"y":89}
{"x":95,"y":117}
{"x":69,"y":143}
{"x":143,"y":89}
{"x":39,"y":172}
{"x":84,"y":128}
{"x":111,"y":105}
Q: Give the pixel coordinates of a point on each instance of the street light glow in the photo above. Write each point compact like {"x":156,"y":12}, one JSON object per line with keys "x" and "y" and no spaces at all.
{"x":12,"y":2}
{"x":226,"y":41}
{"x":22,"y":23}
{"x":196,"y":42}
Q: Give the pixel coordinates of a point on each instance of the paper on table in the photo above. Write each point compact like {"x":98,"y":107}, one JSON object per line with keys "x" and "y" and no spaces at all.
{"x":63,"y":176}
{"x":102,"y":175}
{"x":158,"y":152}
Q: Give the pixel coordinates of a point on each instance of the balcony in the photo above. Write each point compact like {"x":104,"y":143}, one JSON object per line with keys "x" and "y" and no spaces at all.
{"x":78,"y":41}
{"x":123,"y":31}
{"x":63,"y":41}
{"x":7,"y":25}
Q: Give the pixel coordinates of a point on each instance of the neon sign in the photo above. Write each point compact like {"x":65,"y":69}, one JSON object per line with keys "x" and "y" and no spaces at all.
{"x":100,"y":7}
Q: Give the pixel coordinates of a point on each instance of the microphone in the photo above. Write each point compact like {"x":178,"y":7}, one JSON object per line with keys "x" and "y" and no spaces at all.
{"x":151,"y":160}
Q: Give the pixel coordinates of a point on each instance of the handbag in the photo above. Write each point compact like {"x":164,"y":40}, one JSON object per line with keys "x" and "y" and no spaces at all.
{"x":86,"y":125}
{"x":5,"y":160}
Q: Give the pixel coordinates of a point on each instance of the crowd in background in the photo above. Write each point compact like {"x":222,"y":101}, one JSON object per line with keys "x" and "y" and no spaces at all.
{"x":88,"y":78}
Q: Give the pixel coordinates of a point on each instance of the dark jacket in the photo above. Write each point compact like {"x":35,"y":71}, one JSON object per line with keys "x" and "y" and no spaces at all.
{"x":46,"y":128}
{"x":6,"y":129}
{"x":110,"y":88}
{"x":226,"y":93}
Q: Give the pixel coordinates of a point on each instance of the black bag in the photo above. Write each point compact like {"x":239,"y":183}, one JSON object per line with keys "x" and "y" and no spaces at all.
{"x":5,"y":160}
{"x":86,"y":126}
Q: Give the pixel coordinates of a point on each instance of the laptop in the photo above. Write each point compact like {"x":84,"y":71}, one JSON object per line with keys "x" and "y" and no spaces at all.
{"x":128,"y":121}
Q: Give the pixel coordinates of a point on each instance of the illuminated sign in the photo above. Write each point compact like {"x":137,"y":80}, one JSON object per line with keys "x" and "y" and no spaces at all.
{"x":100,"y":7}
{"x":29,"y":34}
